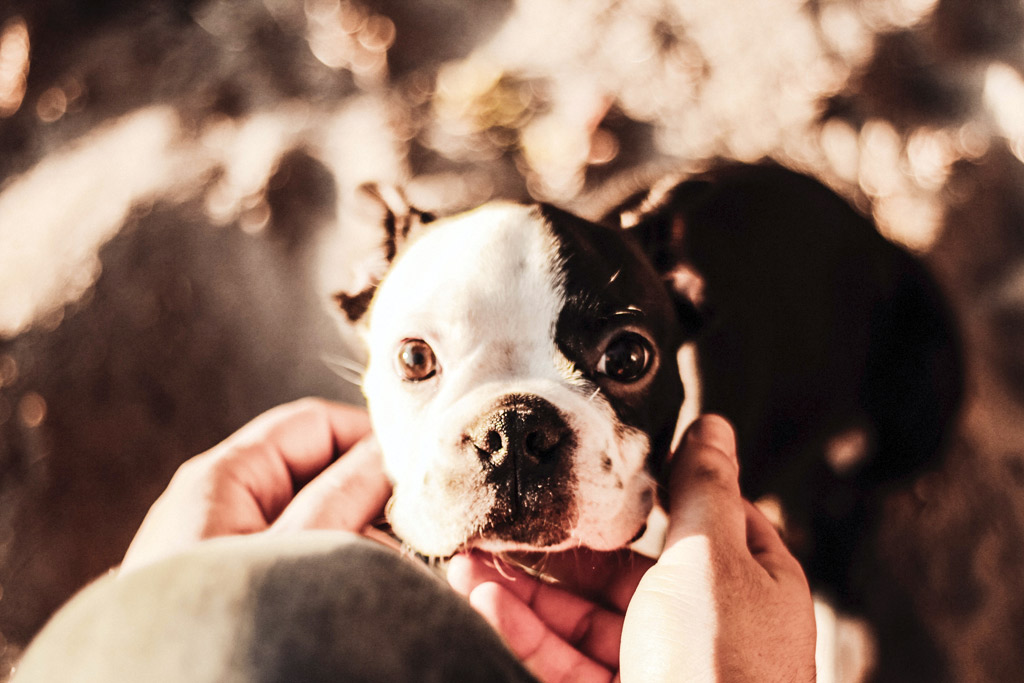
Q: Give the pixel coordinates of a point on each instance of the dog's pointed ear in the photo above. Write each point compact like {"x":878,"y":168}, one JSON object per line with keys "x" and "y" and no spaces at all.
{"x":385,"y":209}
{"x":658,"y":225}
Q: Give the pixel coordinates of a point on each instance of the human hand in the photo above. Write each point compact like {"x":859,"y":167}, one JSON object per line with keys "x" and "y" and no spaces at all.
{"x":725,"y":601}
{"x":248,"y":482}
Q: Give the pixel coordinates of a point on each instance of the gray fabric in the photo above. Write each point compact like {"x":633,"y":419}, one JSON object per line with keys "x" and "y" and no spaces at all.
{"x":318,"y":606}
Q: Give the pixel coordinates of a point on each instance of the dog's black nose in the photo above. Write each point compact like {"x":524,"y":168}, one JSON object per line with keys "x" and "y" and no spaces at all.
{"x":523,"y":429}
{"x":525,"y":446}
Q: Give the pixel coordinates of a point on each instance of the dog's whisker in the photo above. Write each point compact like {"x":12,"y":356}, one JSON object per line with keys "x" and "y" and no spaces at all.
{"x":344,"y":362}
{"x":352,"y":379}
{"x":347,"y":369}
{"x":542,"y":566}
{"x":501,"y":565}
{"x":346,"y":376}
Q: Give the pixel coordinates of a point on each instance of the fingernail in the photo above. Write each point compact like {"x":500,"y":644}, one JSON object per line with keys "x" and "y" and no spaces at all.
{"x":714,"y":431}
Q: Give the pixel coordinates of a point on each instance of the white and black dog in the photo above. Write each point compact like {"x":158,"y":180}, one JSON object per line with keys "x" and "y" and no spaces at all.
{"x":523,"y":377}
{"x":524,"y":386}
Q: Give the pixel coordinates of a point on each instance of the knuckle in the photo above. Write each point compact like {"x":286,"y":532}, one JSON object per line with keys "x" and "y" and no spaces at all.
{"x":311,"y":405}
{"x":707,"y":472}
{"x":193,"y":469}
{"x":583,"y":627}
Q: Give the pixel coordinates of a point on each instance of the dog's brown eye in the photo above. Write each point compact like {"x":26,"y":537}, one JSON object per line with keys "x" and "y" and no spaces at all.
{"x":626,"y":358}
{"x":416,"y":360}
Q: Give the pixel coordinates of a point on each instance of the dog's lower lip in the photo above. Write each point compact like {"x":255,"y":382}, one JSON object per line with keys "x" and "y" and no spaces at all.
{"x":431,"y":559}
{"x":639,"y":534}
{"x":509,"y":534}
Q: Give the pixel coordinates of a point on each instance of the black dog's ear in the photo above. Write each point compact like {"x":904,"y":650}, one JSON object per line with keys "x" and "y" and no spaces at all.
{"x":658,"y":225}
{"x":383,"y":208}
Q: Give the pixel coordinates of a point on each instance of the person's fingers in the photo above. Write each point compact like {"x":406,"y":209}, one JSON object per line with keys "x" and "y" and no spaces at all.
{"x":545,"y":654}
{"x":241,"y":485}
{"x":285,"y":447}
{"x":768,"y":549}
{"x":348,"y":495}
{"x":606,"y":577}
{"x":707,"y":458}
{"x":582,"y":623}
{"x":704,"y":492}
{"x":306,"y":434}
{"x":349,"y":423}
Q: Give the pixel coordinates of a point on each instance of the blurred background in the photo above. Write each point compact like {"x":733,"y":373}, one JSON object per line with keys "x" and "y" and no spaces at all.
{"x":175,"y":183}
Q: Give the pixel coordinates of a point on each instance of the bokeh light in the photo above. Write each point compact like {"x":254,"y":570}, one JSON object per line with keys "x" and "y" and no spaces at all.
{"x":14,"y":64}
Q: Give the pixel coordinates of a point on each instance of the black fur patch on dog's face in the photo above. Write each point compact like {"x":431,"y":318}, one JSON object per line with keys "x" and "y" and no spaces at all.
{"x":611,"y":289}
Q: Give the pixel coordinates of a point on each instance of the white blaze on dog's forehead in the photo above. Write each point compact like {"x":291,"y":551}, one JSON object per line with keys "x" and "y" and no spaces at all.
{"x":485,"y":280}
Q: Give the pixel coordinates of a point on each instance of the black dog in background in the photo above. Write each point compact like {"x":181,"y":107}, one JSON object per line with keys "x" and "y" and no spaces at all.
{"x":830,"y":349}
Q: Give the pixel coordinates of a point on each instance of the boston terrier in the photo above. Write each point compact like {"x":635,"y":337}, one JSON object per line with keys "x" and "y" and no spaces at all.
{"x":522,"y":378}
{"x":524,"y":382}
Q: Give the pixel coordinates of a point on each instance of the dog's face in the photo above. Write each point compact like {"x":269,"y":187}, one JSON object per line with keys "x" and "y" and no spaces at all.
{"x":522,"y":382}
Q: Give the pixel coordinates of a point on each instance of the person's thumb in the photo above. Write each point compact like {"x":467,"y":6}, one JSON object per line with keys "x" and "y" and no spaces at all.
{"x":671,"y":624}
{"x":704,"y":491}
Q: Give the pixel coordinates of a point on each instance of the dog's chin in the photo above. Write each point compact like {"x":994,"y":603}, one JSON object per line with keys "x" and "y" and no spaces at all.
{"x":493,"y":542}
{"x":598,"y":542}
{"x":497,"y":539}
{"x":497,"y":545}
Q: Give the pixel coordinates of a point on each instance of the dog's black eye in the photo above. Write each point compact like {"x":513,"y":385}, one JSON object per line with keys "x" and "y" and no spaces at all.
{"x":416,"y":360}
{"x":626,"y":358}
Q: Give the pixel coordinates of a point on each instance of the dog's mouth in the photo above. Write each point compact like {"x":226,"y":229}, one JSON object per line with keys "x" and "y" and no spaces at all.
{"x":542,"y":537}
{"x":525,"y":474}
{"x":539,"y":530}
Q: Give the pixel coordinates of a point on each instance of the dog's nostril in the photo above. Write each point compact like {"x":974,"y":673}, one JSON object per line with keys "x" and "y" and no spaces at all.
{"x":494,"y":442}
{"x":540,"y":443}
{"x":491,"y":446}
